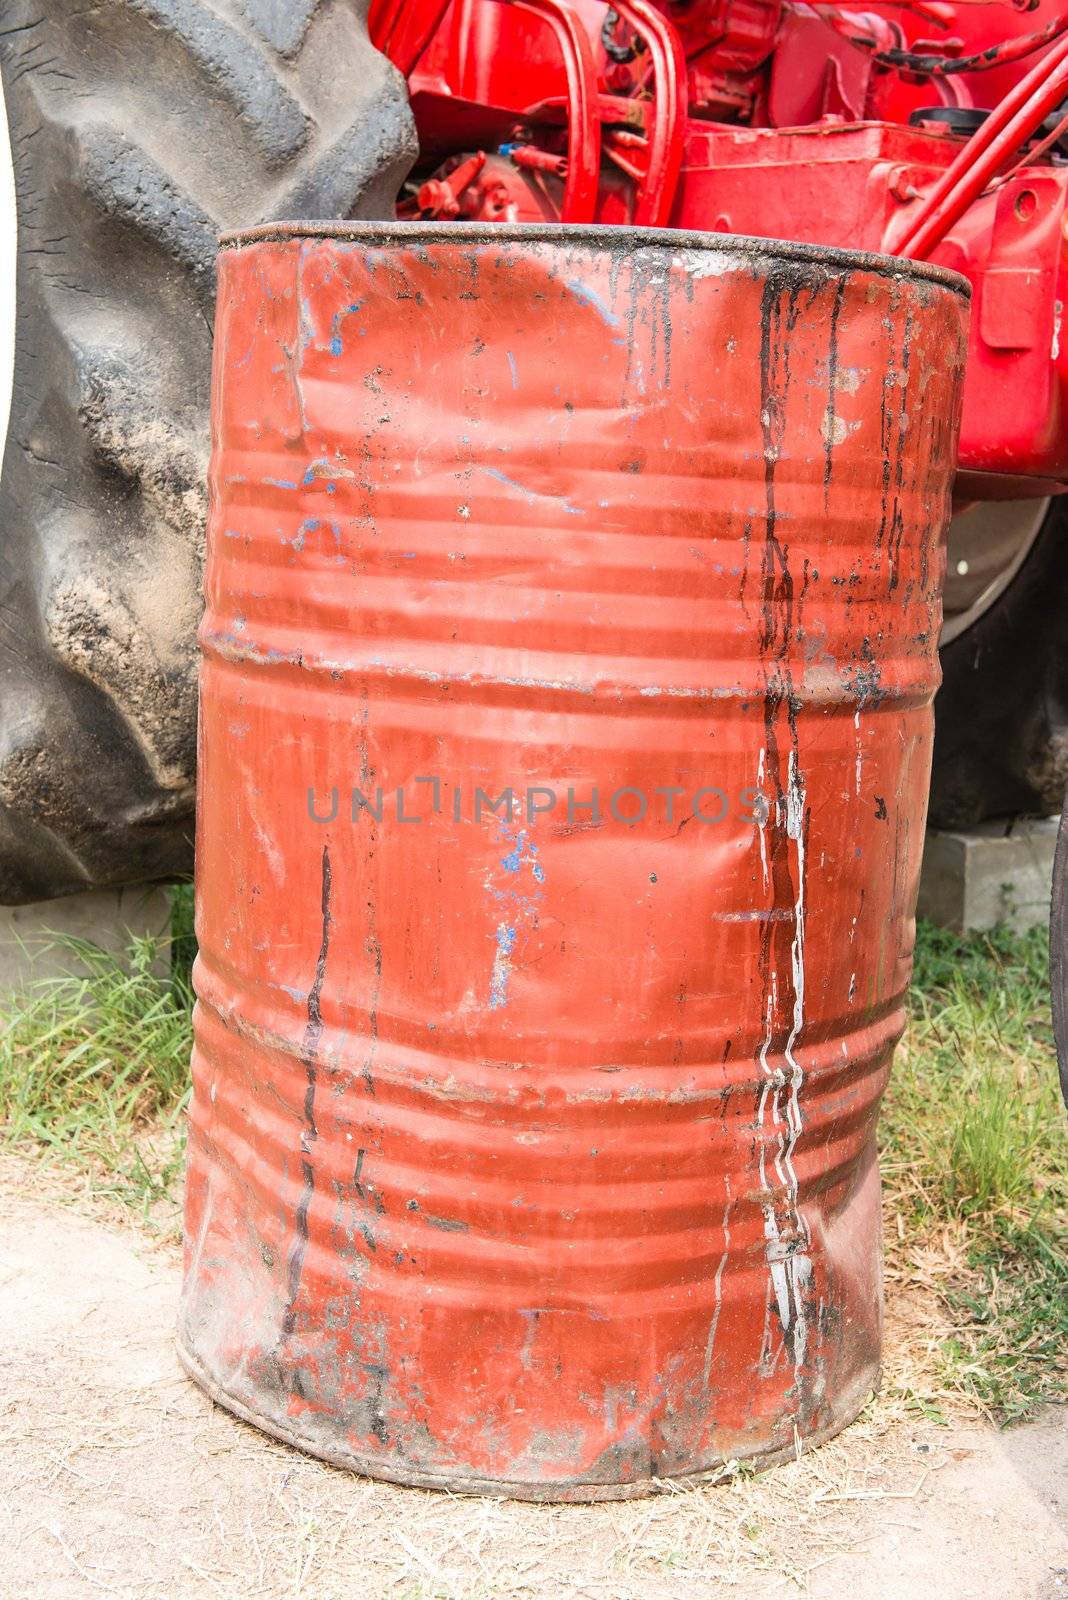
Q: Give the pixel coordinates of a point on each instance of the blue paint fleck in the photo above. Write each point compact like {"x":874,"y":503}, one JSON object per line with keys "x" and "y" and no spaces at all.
{"x":516,"y":908}
{"x":502,"y":477}
{"x":281,"y":483}
{"x":586,"y":296}
{"x":502,"y":966}
{"x":318,"y":469}
{"x":531,"y":495}
{"x":336,"y":342}
{"x":514,"y":370}
{"x":514,"y":859}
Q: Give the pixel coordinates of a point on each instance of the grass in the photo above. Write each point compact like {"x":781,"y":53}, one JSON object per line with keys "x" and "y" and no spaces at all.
{"x":975,"y":1161}
{"x":94,"y":1063}
{"x":94,"y":1071}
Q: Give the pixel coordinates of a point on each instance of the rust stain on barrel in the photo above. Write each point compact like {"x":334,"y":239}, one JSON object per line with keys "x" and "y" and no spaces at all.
{"x":576,"y":594}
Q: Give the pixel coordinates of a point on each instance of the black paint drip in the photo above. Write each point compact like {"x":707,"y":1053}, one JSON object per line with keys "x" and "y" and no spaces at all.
{"x":309,"y":1054}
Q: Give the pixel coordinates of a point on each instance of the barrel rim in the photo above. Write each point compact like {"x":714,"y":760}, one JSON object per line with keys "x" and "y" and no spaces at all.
{"x":594,"y":233}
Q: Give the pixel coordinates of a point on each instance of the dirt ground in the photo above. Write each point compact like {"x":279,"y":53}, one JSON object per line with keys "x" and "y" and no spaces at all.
{"x":118,"y":1477}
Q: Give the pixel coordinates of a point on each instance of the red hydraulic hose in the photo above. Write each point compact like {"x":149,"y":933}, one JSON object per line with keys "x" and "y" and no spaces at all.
{"x":998,"y":55}
{"x":1059,"y":130}
{"x":999,"y":137}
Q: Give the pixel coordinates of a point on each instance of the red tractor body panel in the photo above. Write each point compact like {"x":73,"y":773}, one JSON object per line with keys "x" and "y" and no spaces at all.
{"x":776,"y":120}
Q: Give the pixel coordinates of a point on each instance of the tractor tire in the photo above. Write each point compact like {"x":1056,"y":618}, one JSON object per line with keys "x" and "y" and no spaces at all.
{"x":1001,"y":715}
{"x":139,"y":130}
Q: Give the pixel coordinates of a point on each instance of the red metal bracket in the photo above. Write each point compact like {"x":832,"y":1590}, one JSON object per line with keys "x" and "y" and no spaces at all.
{"x":656,"y":194}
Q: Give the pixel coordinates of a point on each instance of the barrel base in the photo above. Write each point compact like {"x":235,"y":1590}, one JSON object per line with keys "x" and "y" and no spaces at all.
{"x":849,"y":1406}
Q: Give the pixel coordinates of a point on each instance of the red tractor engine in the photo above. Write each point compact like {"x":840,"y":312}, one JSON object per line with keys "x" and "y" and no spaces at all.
{"x":931,"y":130}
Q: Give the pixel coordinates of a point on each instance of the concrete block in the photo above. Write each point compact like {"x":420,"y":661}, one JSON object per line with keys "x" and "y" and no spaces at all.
{"x":107,"y":917}
{"x":997,"y":872}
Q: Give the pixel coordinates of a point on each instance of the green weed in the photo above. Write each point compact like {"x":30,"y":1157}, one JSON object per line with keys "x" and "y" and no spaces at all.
{"x":975,"y":1140}
{"x":94,"y":1066}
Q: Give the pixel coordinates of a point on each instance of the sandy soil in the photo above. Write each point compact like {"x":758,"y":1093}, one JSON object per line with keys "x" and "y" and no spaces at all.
{"x":118,"y":1477}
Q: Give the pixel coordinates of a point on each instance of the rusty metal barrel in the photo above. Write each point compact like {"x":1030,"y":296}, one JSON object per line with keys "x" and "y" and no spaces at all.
{"x":572,"y":607}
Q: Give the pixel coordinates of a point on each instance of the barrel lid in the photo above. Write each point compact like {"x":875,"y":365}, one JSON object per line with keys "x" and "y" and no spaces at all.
{"x":374,"y":234}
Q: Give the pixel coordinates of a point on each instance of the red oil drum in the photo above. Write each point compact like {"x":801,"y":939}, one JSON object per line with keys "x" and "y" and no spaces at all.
{"x":572,"y":610}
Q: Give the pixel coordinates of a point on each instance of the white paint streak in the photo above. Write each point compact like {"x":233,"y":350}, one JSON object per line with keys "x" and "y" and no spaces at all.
{"x":771,"y":1091}
{"x":710,"y":264}
{"x":789,"y":1265}
{"x":760,"y":827}
{"x":718,"y":1285}
{"x":800,"y":1263}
